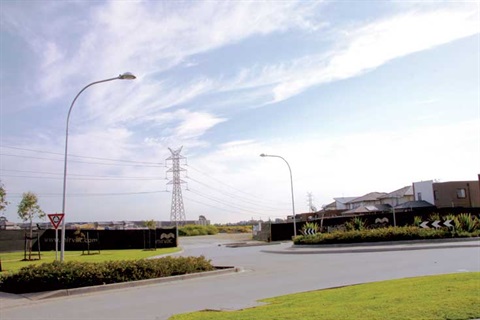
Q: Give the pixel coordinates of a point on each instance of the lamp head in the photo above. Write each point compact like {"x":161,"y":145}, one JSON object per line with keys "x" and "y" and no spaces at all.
{"x":127,"y":76}
{"x":263,"y":155}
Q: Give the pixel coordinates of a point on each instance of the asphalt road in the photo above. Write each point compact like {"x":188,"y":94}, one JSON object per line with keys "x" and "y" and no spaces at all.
{"x":266,"y":275}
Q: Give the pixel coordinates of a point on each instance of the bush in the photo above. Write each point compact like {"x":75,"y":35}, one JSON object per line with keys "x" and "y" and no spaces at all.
{"x":464,"y":222}
{"x":355,"y":224}
{"x":196,"y":230}
{"x":417,"y":220}
{"x":234,"y":229}
{"x":66,"y":275}
{"x":382,"y":234}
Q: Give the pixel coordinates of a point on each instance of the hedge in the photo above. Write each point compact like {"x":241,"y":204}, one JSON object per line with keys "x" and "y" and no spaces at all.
{"x":67,"y":275}
{"x":382,"y":234}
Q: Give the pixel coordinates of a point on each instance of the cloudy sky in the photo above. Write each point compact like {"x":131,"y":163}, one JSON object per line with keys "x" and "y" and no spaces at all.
{"x":358,"y":96}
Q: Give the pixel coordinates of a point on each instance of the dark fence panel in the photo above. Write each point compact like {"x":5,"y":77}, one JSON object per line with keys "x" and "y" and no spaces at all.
{"x":284,"y":231}
{"x":14,"y":240}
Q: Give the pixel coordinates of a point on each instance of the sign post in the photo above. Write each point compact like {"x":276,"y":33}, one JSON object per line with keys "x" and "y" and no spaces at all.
{"x":56,"y":219}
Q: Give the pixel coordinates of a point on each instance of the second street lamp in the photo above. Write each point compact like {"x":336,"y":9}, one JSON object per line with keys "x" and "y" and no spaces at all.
{"x":291,"y":188}
{"x":124,"y":76}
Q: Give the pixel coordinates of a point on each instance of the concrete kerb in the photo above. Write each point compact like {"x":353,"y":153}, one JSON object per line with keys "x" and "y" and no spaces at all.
{"x":131,"y":284}
{"x":380,"y":246}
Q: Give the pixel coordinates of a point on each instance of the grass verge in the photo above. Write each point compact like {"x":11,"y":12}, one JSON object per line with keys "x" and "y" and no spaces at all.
{"x":453,"y":296}
{"x":12,"y":261}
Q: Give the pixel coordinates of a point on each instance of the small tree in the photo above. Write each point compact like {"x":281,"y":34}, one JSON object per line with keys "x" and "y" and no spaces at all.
{"x":356,"y":223}
{"x":28,"y":209}
{"x":3,"y":198}
{"x":150,"y":224}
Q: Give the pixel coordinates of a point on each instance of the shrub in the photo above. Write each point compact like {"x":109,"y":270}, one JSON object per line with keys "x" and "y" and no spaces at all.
{"x":434,"y":217}
{"x":355,"y":224}
{"x":234,"y":229}
{"x":381,"y":234}
{"x":196,"y":230}
{"x":464,"y":222}
{"x":417,"y":220}
{"x":57,"y":275}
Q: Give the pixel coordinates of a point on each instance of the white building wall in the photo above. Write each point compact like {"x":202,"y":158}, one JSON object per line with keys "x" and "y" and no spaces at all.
{"x":423,"y":190}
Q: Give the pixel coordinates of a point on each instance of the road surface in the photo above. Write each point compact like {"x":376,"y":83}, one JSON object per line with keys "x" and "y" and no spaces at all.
{"x":266,"y":275}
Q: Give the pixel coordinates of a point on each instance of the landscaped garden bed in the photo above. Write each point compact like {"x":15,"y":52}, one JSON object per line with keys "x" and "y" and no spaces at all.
{"x":68,"y":275}
{"x":463,"y":226}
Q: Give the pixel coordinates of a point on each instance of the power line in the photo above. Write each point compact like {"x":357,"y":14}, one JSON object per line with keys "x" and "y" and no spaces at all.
{"x":236,"y":206}
{"x":84,"y":179}
{"x":80,"y":176}
{"x":78,"y":156}
{"x":78,"y":161}
{"x":234,"y":196}
{"x":223,"y":209}
{"x":15,"y":195}
{"x":236,"y":189}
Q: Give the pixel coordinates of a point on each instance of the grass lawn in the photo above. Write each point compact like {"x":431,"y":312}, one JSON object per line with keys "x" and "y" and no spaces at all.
{"x":12,"y":261}
{"x":453,"y":296}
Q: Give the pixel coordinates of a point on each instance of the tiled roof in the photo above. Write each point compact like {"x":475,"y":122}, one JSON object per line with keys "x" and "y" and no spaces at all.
{"x":405,"y":191}
{"x":372,"y":196}
{"x":344,"y":199}
{"x":414,"y":204}
{"x":369,"y":208}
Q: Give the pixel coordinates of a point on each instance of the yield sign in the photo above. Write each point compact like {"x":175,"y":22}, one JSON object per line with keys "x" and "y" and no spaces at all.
{"x":55,"y":219}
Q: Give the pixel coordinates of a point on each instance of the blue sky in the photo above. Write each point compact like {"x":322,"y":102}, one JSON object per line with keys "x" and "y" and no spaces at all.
{"x":357,"y":96}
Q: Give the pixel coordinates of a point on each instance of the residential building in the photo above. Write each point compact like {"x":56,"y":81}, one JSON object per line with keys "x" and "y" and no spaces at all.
{"x":369,"y":203}
{"x":398,"y":197}
{"x":464,"y":194}
{"x":342,"y":202}
{"x":369,"y":199}
{"x":423,"y":191}
{"x":457,"y":194}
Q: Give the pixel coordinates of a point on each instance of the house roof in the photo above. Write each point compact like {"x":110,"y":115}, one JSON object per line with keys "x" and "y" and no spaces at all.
{"x":344,"y":200}
{"x":372,"y":196}
{"x":402,"y":192}
{"x":369,"y":209}
{"x":415,"y":204}
{"x":330,"y":205}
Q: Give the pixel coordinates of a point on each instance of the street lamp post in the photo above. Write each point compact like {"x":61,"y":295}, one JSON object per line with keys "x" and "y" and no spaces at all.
{"x":124,"y":76}
{"x":291,"y":188}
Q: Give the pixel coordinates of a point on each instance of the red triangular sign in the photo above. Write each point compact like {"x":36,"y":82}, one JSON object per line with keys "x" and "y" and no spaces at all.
{"x":55,"y":219}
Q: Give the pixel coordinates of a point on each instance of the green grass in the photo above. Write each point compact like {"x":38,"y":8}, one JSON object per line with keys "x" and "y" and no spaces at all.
{"x":453,"y":296}
{"x":12,"y":261}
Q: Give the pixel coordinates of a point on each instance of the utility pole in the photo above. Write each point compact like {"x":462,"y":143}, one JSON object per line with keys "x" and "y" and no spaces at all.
{"x":177,"y":213}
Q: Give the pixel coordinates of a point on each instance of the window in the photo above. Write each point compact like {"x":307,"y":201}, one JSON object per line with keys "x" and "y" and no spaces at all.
{"x":419,"y":196}
{"x":461,"y":193}
{"x":435,"y":194}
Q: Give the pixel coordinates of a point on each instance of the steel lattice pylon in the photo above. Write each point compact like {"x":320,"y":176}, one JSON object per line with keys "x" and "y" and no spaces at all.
{"x":177,"y":213}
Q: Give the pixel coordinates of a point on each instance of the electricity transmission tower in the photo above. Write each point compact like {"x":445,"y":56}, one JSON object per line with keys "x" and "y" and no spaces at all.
{"x":177,"y":213}
{"x":311,"y":207}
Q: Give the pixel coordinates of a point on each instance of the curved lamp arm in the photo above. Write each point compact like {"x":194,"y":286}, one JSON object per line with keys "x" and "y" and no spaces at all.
{"x":124,"y":76}
{"x":291,"y":188}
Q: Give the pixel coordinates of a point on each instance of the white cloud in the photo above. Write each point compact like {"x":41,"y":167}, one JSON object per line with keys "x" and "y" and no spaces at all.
{"x":348,"y":165}
{"x":148,"y":37}
{"x":195,"y":124}
{"x":135,"y":119}
{"x":362,"y":49}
